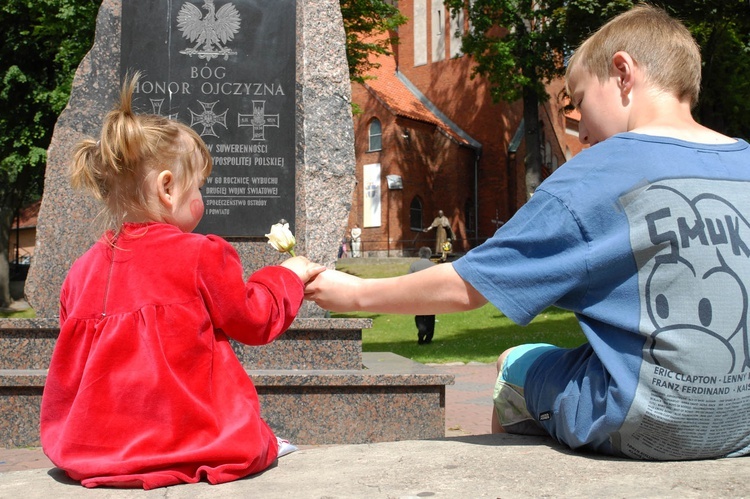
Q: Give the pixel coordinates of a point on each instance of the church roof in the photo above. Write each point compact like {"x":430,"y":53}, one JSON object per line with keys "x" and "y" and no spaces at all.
{"x":403,"y":98}
{"x":28,"y":216}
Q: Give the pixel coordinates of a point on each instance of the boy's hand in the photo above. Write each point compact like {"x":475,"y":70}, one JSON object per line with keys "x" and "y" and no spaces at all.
{"x":333,"y":290}
{"x":303,"y":267}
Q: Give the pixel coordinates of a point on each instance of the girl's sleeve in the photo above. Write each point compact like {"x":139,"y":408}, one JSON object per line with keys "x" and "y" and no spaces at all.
{"x":254,"y":311}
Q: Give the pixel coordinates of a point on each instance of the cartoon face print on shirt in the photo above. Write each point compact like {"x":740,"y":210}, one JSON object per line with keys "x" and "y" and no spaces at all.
{"x":694,"y":260}
{"x":708,"y":317}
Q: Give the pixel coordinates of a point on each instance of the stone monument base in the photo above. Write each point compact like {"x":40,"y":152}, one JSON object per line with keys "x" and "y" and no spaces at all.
{"x":375,"y":397}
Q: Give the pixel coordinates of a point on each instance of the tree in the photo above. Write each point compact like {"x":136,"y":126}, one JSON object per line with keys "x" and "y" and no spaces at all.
{"x":365,"y":21}
{"x":521,"y":45}
{"x":722,"y":29}
{"x":42,"y":43}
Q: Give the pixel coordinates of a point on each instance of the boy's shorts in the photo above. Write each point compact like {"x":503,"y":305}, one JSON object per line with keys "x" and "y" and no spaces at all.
{"x":508,"y":398}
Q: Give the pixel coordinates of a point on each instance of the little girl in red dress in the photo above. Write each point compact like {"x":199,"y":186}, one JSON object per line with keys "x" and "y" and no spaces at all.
{"x":144,"y":389}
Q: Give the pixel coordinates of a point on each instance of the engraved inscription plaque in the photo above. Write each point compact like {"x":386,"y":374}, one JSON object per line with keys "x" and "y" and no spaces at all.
{"x":227,"y":69}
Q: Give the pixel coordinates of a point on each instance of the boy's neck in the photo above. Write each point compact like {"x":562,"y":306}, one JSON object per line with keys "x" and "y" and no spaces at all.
{"x":698,"y":135}
{"x":666,"y":116}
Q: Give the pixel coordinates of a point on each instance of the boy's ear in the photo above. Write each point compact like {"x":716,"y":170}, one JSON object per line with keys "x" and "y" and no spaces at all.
{"x":624,"y":67}
{"x":165,"y":186}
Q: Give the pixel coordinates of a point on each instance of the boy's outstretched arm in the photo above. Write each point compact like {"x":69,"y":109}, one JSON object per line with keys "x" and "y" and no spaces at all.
{"x":436,"y":290}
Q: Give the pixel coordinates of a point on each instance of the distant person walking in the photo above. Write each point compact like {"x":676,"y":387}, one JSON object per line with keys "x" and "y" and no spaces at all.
{"x":425,"y":323}
{"x":344,"y":247}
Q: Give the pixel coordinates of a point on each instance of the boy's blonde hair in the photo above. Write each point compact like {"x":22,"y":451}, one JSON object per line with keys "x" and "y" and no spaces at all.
{"x":131,"y":148}
{"x":661,"y":45}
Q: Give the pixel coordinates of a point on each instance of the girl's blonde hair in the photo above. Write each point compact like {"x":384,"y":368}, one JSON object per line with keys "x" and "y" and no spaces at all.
{"x":661,"y":45}
{"x":130,"y":149}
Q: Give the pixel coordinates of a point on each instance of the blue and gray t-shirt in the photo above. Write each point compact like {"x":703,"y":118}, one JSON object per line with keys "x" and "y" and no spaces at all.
{"x":647,"y":240}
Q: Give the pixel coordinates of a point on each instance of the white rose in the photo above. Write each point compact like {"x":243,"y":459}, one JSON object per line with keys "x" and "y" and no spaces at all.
{"x":281,"y":238}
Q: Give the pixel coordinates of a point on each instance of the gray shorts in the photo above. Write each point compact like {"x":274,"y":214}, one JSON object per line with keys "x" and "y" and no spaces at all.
{"x":508,"y":398}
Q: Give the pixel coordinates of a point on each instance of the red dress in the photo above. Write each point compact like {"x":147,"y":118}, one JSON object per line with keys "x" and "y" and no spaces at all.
{"x":144,"y":389}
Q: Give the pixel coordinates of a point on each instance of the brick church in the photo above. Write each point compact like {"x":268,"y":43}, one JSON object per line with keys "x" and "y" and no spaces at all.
{"x":430,"y":138}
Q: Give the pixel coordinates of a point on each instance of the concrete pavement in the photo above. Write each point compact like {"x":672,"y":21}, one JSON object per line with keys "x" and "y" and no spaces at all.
{"x":454,"y":467}
{"x":467,"y":463}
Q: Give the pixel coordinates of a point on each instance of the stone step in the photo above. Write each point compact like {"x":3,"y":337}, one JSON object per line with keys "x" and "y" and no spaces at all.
{"x":27,"y":343}
{"x":309,"y":344}
{"x":314,"y":383}
{"x":312,"y":343}
{"x":392,"y":398}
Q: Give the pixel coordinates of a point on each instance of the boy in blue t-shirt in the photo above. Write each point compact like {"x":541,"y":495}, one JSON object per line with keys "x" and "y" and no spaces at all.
{"x":645,"y":236}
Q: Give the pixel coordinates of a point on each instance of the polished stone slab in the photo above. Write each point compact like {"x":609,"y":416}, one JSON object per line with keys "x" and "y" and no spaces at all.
{"x":27,"y":343}
{"x":315,"y":384}
{"x":312,"y":343}
{"x":390,"y":398}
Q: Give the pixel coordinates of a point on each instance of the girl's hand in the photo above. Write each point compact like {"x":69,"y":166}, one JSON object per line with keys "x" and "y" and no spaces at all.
{"x":303,"y":267}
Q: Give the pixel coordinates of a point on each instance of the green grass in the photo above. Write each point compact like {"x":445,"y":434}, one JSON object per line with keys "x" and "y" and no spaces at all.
{"x":478,"y":335}
{"x":23,"y":314}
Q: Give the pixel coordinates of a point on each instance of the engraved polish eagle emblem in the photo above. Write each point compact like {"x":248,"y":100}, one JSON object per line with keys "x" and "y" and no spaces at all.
{"x":211,"y":32}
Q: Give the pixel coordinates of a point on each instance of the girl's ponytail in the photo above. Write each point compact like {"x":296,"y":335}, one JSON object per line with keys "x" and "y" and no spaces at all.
{"x":86,"y":168}
{"x":132,"y":146}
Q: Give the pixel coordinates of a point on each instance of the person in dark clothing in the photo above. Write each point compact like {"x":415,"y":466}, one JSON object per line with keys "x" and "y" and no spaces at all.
{"x":425,"y":323}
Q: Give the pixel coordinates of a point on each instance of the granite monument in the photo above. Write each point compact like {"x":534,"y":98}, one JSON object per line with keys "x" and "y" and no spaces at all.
{"x":271,"y":98}
{"x":269,"y":91}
